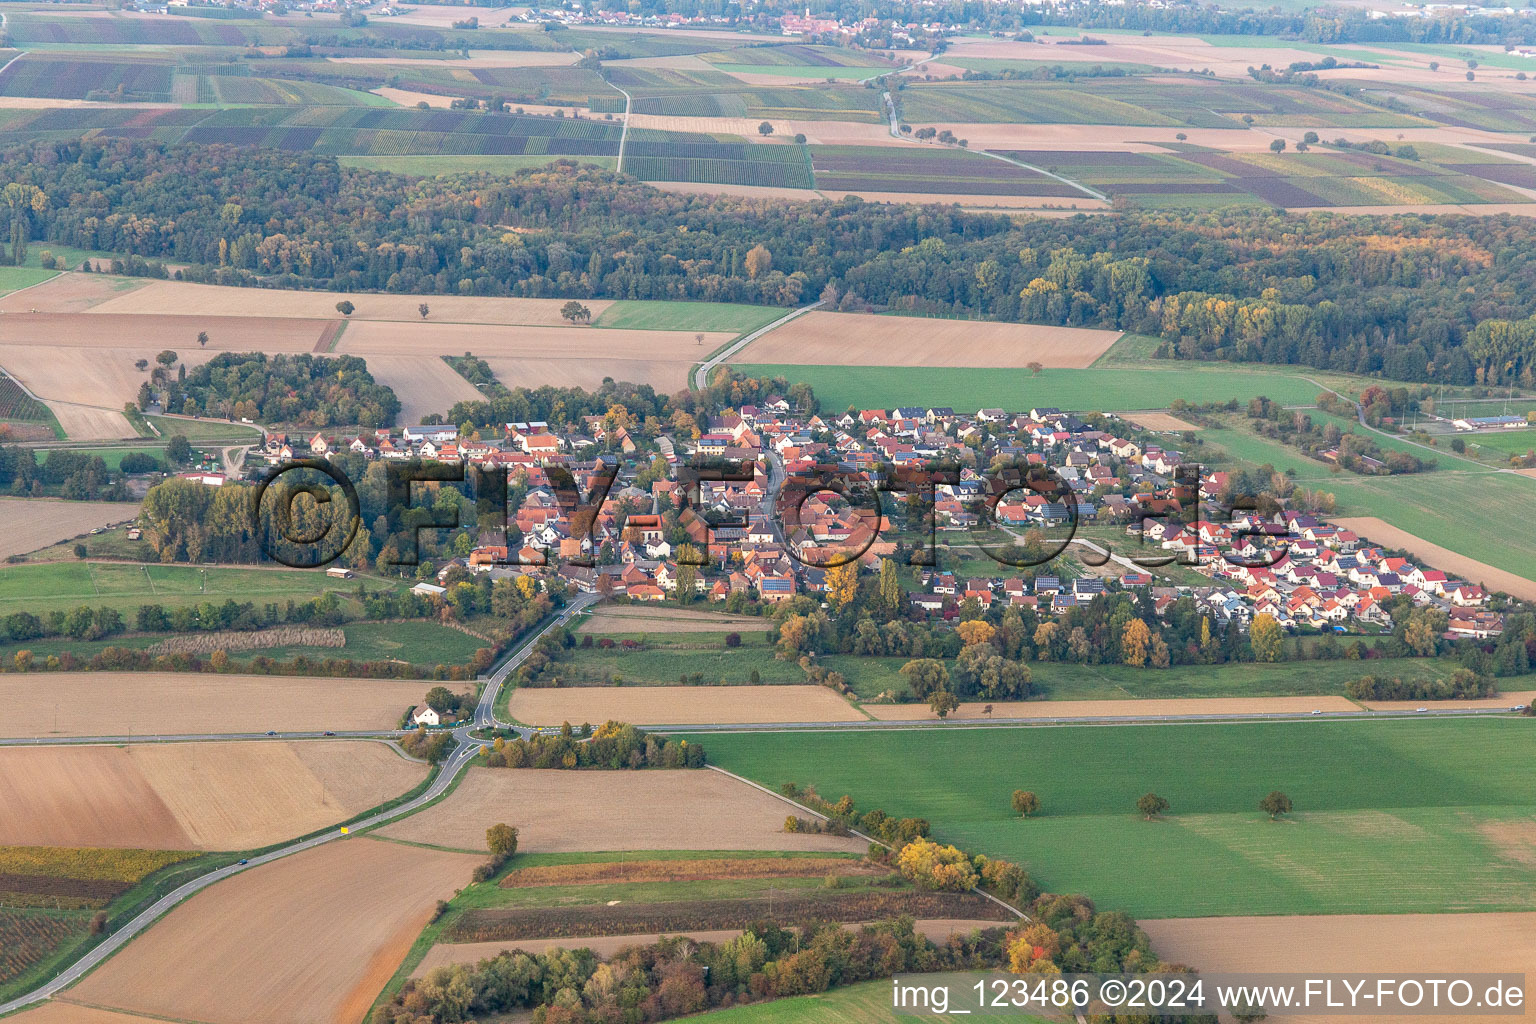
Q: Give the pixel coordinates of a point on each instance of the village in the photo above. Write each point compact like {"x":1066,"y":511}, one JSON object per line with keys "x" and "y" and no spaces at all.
{"x":623,"y":516}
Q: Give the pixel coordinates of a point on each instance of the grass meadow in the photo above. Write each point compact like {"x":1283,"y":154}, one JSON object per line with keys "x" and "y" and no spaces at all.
{"x":868,"y":1002}
{"x":47,"y":586}
{"x":1100,"y":389}
{"x":1391,"y":816}
{"x":647,"y":315}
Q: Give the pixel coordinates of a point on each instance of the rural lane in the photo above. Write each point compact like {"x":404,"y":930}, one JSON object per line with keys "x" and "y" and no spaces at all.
{"x":701,"y":375}
{"x":465,"y":751}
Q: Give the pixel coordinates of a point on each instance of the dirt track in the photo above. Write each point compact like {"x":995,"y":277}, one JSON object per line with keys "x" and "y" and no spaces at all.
{"x":185,"y":796}
{"x":1394,"y":944}
{"x":681,"y":705}
{"x":311,"y":938}
{"x":858,"y":339}
{"x":558,"y":811}
{"x":169,"y":703}
{"x":29,"y":524}
{"x":1436,"y":557}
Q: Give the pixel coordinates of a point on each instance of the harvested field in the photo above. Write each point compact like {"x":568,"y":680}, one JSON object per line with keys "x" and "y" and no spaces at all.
{"x":1054,"y":709}
{"x":69,"y":293}
{"x":168,"y":703}
{"x":180,"y":298}
{"x":632,"y":618}
{"x":312,"y":937}
{"x":424,"y":384}
{"x":938,"y":930}
{"x":28,"y":524}
{"x":1436,"y":557}
{"x":184,"y":796}
{"x":505,"y":924}
{"x":560,"y":811}
{"x":1395,"y":944}
{"x":703,"y":870}
{"x":681,"y":705}
{"x":61,"y":1011}
{"x":88,"y":423}
{"x":858,"y":339}
{"x":103,"y":328}
{"x":491,"y":341}
{"x":1157,"y":421}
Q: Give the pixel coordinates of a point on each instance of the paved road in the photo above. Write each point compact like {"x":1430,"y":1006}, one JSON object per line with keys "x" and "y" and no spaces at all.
{"x":618,"y":167}
{"x":701,"y":375}
{"x":465,"y":750}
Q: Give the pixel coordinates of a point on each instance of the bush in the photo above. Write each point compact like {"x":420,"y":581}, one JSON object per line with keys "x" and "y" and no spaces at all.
{"x":928,"y":865}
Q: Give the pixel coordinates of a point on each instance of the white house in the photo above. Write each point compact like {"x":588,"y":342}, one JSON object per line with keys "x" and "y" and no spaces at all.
{"x":426,"y":716}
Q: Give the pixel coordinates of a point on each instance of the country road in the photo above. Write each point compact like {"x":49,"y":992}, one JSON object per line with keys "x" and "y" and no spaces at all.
{"x":701,"y":374}
{"x":466,"y":749}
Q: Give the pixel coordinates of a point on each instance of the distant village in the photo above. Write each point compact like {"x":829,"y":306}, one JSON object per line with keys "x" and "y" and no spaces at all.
{"x":1297,"y":568}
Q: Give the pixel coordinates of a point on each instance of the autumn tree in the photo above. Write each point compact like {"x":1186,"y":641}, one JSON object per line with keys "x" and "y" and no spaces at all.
{"x":977,"y":631}
{"x":842,"y":585}
{"x":501,"y":840}
{"x":1027,"y":948}
{"x":1134,"y":641}
{"x":1264,"y":637}
{"x":759,"y":261}
{"x":575,"y":311}
{"x":890,"y":586}
{"x":766,"y":128}
{"x":202,"y":339}
{"x":1025,"y":803}
{"x":942,"y":702}
{"x":1275,"y":804}
{"x":1034,"y":367}
{"x":928,"y":865}
{"x":345,"y":308}
{"x":1151,"y":805}
{"x":22,"y":201}
{"x":423,"y":309}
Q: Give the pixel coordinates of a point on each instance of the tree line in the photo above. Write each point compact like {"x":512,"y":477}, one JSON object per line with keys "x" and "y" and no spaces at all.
{"x":1402,"y":297}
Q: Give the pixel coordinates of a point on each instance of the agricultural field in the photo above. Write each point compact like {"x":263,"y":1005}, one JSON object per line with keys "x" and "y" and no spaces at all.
{"x":1322,"y":178}
{"x":34,"y":523}
{"x":1446,"y":794}
{"x":930,"y":170}
{"x":622,"y":619}
{"x":856,"y":339}
{"x":39,"y":587}
{"x":881,"y":385}
{"x":318,"y":933}
{"x":193,"y":796}
{"x":644,"y":315}
{"x":565,"y":811}
{"x":77,"y":77}
{"x":681,"y":705}
{"x":438,"y":166}
{"x":151,"y":704}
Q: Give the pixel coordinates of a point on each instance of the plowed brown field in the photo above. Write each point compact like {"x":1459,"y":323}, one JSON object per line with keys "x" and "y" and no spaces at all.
{"x":184,"y":796}
{"x":28,"y":524}
{"x":681,"y":705}
{"x":1435,"y":556}
{"x":560,"y":811}
{"x":311,"y":938}
{"x":857,"y":339}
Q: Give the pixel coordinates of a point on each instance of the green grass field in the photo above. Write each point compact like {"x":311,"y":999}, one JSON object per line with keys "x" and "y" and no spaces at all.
{"x":868,"y":1002}
{"x":420,"y":643}
{"x":1503,"y":444}
{"x":46,"y":586}
{"x":646,"y":315}
{"x":1092,"y":389}
{"x":1392,"y":816}
{"x":15,"y":278}
{"x":206,"y":430}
